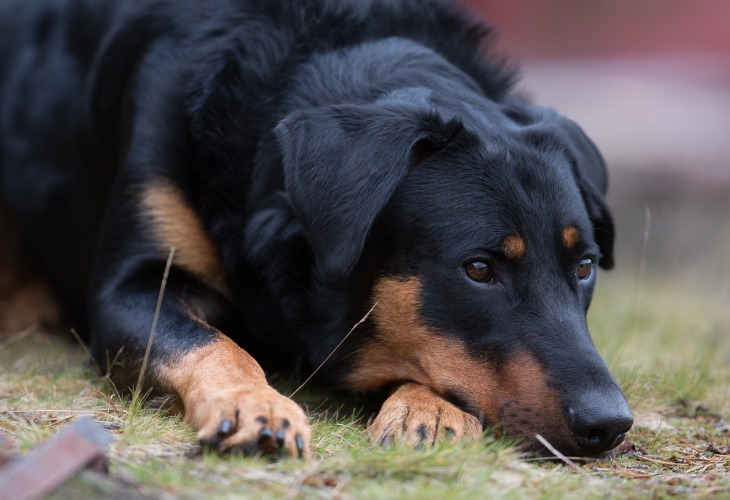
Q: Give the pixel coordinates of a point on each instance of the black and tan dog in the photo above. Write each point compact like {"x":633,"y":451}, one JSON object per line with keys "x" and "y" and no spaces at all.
{"x":308,"y":159}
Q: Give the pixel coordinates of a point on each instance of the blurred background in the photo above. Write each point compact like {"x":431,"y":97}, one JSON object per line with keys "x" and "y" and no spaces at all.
{"x":649,"y":81}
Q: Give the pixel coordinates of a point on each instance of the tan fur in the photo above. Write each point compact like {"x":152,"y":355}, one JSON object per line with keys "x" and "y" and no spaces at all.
{"x":529,"y":406}
{"x":571,"y":237}
{"x":405,"y":349}
{"x":220,"y":381}
{"x":514,"y":247}
{"x":175,"y":224}
{"x":421,"y":417}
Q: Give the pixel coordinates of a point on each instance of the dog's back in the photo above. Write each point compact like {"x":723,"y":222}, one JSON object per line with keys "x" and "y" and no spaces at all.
{"x":68,"y":66}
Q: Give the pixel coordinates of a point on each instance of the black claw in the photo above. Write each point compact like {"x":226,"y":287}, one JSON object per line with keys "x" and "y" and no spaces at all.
{"x":450,"y":433}
{"x":265,"y":435}
{"x":262,"y":420}
{"x":280,"y":437}
{"x":386,"y":440}
{"x":300,"y":445}
{"x":225,"y":428}
{"x":422,"y":433}
{"x":285,"y":423}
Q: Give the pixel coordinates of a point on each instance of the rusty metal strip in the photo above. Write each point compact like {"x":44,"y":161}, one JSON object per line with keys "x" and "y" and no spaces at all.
{"x":79,"y":446}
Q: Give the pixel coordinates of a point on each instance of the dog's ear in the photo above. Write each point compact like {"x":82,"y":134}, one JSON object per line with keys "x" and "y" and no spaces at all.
{"x":591,"y":175}
{"x":342,"y":165}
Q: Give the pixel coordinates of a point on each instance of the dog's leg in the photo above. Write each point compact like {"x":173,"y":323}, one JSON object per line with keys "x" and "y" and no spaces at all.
{"x":223,"y":390}
{"x":226,"y":397}
{"x":419,"y":417}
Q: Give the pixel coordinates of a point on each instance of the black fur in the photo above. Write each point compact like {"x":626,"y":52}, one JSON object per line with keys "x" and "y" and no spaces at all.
{"x":324,"y":144}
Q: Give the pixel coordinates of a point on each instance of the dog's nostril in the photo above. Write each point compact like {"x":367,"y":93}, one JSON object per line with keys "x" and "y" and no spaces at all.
{"x":599,"y":428}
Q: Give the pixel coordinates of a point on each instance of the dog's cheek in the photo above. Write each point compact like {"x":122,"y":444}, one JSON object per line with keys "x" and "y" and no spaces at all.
{"x":515,"y":396}
{"x":404,"y":348}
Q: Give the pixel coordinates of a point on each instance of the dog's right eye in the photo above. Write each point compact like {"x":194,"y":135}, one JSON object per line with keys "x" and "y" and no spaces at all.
{"x":479,"y":271}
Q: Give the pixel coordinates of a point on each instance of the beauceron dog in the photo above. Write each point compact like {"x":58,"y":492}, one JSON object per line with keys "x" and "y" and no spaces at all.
{"x":308,"y":160}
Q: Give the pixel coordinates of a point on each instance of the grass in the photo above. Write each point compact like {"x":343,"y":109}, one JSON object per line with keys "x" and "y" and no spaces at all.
{"x":668,"y":347}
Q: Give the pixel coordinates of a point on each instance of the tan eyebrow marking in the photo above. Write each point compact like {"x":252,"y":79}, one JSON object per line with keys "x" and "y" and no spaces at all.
{"x":571,"y":236}
{"x":514,"y":247}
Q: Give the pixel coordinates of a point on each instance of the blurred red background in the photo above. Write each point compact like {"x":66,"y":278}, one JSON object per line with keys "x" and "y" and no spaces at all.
{"x":649,"y":81}
{"x":580,"y":28}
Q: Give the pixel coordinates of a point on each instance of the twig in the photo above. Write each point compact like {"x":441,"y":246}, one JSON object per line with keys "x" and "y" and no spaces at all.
{"x":155,"y":319}
{"x":18,"y":336}
{"x":658,"y":461}
{"x":51,"y":410}
{"x":109,"y":400}
{"x":81,"y":343}
{"x":557,"y":454}
{"x":367,"y":314}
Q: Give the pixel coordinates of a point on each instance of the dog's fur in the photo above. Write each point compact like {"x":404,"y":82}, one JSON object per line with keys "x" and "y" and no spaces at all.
{"x":308,"y":159}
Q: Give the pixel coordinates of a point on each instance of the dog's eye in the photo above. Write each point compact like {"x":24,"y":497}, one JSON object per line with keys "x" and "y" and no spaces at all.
{"x":479,"y":271}
{"x":585,"y":269}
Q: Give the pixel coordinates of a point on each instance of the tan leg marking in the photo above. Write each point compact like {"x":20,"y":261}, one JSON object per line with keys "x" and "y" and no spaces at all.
{"x":514,"y":247}
{"x":420,"y":417}
{"x":219,"y":383}
{"x":571,"y":236}
{"x":404,"y":349}
{"x":174,"y":223}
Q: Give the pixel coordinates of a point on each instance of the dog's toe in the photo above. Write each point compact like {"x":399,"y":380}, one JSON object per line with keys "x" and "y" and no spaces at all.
{"x":252,"y":421}
{"x":418,"y":417}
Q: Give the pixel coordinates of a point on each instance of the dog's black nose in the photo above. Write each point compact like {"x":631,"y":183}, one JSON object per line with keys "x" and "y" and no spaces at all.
{"x":600,"y":423}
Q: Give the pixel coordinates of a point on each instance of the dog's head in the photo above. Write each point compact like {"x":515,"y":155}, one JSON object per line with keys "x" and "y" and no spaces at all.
{"x":482,"y":226}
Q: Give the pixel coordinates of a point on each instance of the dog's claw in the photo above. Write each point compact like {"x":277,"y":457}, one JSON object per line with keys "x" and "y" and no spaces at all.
{"x":225,"y":428}
{"x":300,"y":445}
{"x":280,"y":438}
{"x":265,"y":435}
{"x":386,"y":441}
{"x":252,"y":422}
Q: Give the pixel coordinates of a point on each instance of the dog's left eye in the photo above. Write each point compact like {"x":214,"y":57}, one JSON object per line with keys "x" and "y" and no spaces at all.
{"x":479,"y":271}
{"x":585,"y":269}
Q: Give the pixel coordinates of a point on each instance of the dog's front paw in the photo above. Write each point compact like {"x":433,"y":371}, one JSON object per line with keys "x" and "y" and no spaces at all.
{"x":417,"y":416}
{"x":256,"y":421}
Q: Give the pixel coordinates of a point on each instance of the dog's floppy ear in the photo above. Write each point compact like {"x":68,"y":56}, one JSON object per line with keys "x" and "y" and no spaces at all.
{"x":591,"y":175}
{"x":342,"y":165}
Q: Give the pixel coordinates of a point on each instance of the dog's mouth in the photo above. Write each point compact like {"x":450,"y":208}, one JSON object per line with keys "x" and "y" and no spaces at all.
{"x":557,"y":436}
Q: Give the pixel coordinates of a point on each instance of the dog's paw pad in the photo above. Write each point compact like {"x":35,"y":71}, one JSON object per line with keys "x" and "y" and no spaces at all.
{"x":418,"y":417}
{"x":252,"y":421}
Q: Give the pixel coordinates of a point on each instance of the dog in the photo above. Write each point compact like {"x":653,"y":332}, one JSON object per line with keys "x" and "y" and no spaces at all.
{"x":292,"y":168}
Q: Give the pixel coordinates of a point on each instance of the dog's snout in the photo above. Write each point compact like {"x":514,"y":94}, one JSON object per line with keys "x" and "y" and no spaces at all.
{"x":600,"y":423}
